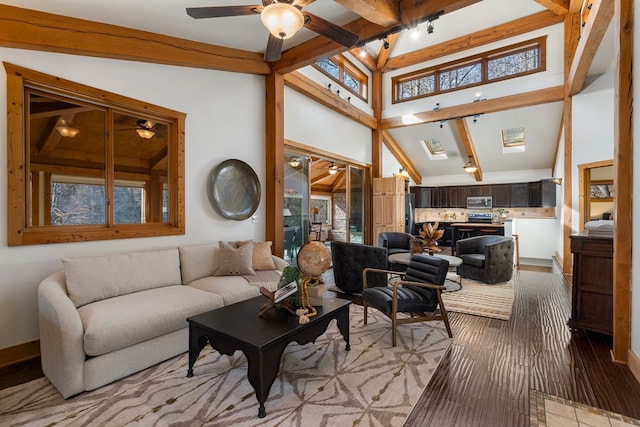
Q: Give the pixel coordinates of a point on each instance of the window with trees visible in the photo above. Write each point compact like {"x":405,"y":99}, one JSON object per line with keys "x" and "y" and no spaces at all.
{"x":343,"y":71}
{"x":500,"y":64}
{"x":86,"y":164}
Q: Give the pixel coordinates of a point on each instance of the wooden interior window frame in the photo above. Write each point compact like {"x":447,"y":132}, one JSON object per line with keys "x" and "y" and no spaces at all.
{"x":347,"y":67}
{"x":483,"y":58}
{"x":18,"y":230}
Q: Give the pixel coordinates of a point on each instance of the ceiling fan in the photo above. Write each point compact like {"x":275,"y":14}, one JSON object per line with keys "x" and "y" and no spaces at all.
{"x":283,"y":18}
{"x":333,"y":168}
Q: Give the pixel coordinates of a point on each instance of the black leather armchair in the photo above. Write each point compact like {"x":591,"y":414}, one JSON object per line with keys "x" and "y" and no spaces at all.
{"x":395,"y":241}
{"x":418,"y":293}
{"x":350,"y":259}
{"x":488,"y":259}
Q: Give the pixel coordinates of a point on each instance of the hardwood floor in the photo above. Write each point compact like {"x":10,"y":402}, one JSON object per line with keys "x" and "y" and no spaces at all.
{"x":485,"y":378}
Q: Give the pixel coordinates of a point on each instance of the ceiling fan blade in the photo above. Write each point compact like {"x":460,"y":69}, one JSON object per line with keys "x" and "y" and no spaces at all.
{"x":329,"y":30}
{"x":274,"y":48}
{"x":220,"y":11}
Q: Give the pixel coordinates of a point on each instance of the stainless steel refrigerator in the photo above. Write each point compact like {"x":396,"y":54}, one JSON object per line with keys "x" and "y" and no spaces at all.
{"x":409,"y":220}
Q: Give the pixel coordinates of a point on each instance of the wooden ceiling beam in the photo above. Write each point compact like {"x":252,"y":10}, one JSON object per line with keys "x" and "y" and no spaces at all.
{"x":365,"y":58}
{"x":469,"y":147}
{"x":592,"y":35}
{"x":525,"y":99}
{"x":321,"y":47}
{"x":383,"y":55}
{"x":479,"y":38}
{"x":400,"y":155}
{"x":575,"y":6}
{"x":385,"y":13}
{"x":313,"y":90}
{"x":559,"y":7}
{"x":29,"y":29}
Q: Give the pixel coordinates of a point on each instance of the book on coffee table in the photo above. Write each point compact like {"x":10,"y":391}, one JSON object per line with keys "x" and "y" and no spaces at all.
{"x":285,"y":291}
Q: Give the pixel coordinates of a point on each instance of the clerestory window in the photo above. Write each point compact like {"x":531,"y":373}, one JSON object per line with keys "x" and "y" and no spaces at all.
{"x":85,"y":164}
{"x":500,"y":64}
{"x":343,"y":71}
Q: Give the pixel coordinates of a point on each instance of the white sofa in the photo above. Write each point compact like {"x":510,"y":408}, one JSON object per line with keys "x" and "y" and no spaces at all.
{"x":106,"y":317}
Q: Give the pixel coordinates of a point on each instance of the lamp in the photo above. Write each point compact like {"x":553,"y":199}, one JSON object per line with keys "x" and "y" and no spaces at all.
{"x":66,"y":130}
{"x":470,"y":166}
{"x":294,"y":162}
{"x":314,"y":211}
{"x":333,"y":169}
{"x":144,"y":129}
{"x":282,"y":20}
{"x":404,"y":173}
{"x":556,"y":181}
{"x":286,"y":212}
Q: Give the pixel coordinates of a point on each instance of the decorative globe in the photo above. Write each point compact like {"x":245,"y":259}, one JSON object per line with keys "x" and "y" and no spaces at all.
{"x":314,"y":258}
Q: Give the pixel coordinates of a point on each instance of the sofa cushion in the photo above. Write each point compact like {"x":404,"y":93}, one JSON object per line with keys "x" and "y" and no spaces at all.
{"x":198,"y":261}
{"x":231,"y":289}
{"x":477,"y":260}
{"x":97,"y":278}
{"x":267,"y":278}
{"x":262,"y":258}
{"x":119,"y":322}
{"x":234,"y":261}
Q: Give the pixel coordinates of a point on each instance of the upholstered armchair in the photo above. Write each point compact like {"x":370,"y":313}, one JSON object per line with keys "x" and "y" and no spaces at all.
{"x":350,"y":259}
{"x":417,"y":293}
{"x":395,"y":241}
{"x":488,"y":259}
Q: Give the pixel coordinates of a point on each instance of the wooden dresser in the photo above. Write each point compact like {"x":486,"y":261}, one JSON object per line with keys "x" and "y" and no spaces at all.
{"x":592,"y":293}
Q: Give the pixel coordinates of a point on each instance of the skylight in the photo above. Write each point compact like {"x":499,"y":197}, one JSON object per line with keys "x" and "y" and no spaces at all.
{"x":434,"y":149}
{"x":513,"y":140}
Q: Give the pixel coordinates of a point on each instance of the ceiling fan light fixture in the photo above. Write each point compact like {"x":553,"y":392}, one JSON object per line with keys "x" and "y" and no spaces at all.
{"x":66,"y":130}
{"x":333,"y":169}
{"x":145,"y":133}
{"x":282,"y":20}
{"x":470,"y":166}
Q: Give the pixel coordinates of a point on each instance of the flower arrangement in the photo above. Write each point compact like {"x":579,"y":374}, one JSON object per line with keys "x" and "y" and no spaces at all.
{"x":430,"y":235}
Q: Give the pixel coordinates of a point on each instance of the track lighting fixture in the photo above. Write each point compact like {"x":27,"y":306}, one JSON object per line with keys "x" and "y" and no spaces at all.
{"x":385,"y":43}
{"x":429,"y":27}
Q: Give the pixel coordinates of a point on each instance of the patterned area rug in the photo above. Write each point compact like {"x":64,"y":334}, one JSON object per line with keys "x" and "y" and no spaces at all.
{"x":480,"y":299}
{"x":319,"y":384}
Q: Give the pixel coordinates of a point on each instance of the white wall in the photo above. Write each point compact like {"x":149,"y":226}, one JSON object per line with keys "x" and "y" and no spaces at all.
{"x":225,"y":119}
{"x":592,"y":134}
{"x":310,"y":123}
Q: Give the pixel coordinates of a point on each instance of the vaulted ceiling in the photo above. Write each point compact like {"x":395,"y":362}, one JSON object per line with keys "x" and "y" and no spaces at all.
{"x":237,"y":44}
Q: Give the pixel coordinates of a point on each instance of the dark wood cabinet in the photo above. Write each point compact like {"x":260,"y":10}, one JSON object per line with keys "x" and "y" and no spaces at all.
{"x":592,"y":290}
{"x":440,"y":197}
{"x":462,"y":197}
{"x":519,"y":195}
{"x":500,"y":194}
{"x":423,"y":196}
{"x":479,"y":190}
{"x":452,"y":197}
{"x":542,"y":193}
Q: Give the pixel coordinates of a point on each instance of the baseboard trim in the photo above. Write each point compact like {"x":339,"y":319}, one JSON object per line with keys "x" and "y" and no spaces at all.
{"x":19,"y":353}
{"x":634,"y":364}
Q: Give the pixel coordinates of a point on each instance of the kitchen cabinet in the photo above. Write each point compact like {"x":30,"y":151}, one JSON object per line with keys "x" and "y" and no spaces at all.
{"x":500,"y":194}
{"x":452,"y":194}
{"x":519,"y":195}
{"x":592,"y":289}
{"x":479,"y":190}
{"x":388,"y":205}
{"x":462,"y":197}
{"x":423,"y":196}
{"x":440,"y":197}
{"x":542,"y":193}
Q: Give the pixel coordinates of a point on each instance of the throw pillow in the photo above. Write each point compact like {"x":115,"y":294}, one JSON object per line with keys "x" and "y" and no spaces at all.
{"x":235,"y":261}
{"x":262,"y":259}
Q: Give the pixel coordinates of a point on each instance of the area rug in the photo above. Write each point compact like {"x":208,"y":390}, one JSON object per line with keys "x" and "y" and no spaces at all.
{"x":546,"y":410}
{"x":480,"y":299}
{"x":319,"y":383}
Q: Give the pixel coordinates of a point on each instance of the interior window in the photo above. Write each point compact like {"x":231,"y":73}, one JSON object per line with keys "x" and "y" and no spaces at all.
{"x":92,"y":165}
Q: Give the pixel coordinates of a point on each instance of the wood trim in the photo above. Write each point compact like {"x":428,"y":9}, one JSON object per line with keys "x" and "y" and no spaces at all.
{"x":634,"y":364}
{"x":33,"y":30}
{"x":382,"y":12}
{"x":542,"y":96}
{"x":404,"y":160}
{"x":296,"y":146}
{"x":300,"y":83}
{"x":623,"y":178}
{"x":383,"y":54}
{"x":274,"y":161}
{"x":556,"y":152}
{"x":19,"y":353}
{"x":473,"y":40}
{"x":593,"y":33}
{"x":559,"y":7}
{"x":469,"y":148}
{"x":376,"y":134}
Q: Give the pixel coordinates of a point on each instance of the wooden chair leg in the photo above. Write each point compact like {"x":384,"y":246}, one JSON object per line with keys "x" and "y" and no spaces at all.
{"x":394,"y":325}
{"x":364,"y":304}
{"x":445,"y":316}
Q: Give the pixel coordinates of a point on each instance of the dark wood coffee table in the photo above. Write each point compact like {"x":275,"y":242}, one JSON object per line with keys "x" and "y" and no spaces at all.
{"x":261,"y":339}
